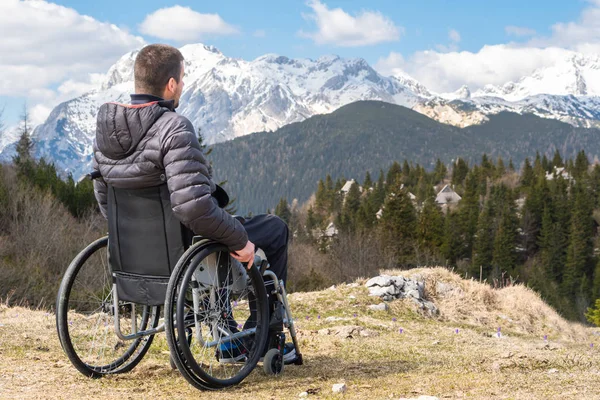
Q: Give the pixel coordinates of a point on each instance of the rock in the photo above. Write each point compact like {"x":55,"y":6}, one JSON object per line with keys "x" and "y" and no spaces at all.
{"x":432,"y":308}
{"x":420,"y":398}
{"x":351,"y":297}
{"x":379,"y":307}
{"x":303,"y":394}
{"x":414,"y":293}
{"x":382,"y":280}
{"x":339,"y":388}
{"x":332,"y":319}
{"x":324,"y":331}
{"x":435,"y":342}
{"x":552,"y":371}
{"x":368,"y":333}
{"x":383,"y":291}
{"x":332,"y":287}
{"x":398,"y":281}
{"x":347,"y":331}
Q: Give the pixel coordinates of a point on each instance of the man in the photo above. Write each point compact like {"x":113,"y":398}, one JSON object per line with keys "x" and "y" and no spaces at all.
{"x":146,"y":144}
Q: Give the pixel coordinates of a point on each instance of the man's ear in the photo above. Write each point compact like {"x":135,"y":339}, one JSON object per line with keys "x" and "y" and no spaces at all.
{"x":172,"y":85}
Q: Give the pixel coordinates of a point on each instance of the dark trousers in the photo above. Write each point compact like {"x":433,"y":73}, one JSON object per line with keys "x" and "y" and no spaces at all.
{"x":270,"y":233}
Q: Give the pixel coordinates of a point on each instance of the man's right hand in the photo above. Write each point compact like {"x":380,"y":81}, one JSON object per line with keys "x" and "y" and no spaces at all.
{"x":245,"y":255}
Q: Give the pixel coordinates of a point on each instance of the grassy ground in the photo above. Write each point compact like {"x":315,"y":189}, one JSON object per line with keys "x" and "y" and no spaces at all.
{"x":455,"y":355}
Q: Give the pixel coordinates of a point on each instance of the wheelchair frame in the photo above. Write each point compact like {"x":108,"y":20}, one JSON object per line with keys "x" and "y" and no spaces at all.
{"x":136,"y":334}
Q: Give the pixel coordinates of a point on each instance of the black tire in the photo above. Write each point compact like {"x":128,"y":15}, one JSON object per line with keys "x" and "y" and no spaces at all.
{"x":198,"y":362}
{"x":77,"y":312}
{"x":273,"y":363}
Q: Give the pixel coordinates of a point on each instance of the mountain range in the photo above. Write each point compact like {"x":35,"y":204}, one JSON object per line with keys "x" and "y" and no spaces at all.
{"x":369,"y":136}
{"x":228,"y":98}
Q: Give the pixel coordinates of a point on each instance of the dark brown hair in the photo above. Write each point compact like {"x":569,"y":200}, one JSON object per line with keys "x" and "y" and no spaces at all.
{"x":154,"y":65}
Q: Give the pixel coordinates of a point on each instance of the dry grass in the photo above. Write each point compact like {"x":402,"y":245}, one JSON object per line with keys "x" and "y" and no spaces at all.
{"x":427,"y":358}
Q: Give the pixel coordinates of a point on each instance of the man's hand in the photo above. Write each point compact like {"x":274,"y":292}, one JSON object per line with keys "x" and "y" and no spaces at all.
{"x":245,"y":255}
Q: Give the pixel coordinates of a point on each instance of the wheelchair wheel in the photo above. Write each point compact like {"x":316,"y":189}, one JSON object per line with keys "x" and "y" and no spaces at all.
{"x":273,"y":363}
{"x":225,"y":306}
{"x":85,"y":317}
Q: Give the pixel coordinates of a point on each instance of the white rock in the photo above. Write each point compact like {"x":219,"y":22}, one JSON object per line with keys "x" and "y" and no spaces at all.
{"x":351,"y":297}
{"x":332,"y":287}
{"x":383,"y":291}
{"x":414,"y":294}
{"x":420,"y":398}
{"x":379,"y":307}
{"x":383,"y":280}
{"x":339,"y":388}
{"x":552,"y":371}
{"x":303,"y":394}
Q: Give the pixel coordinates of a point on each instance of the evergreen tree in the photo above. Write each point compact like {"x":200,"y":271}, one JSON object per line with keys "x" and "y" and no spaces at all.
{"x":459,"y":172}
{"x":557,"y":160}
{"x":430,"y":229}
{"x":484,"y":243}
{"x":283,"y":210}
{"x":500,"y":168}
{"x":24,"y":159}
{"x":527,"y":175}
{"x":468,"y":213}
{"x":580,"y":250}
{"x":546,"y":165}
{"x":398,"y":224}
{"x":394,"y":175}
{"x":379,"y":193}
{"x":321,"y":199}
{"x":440,"y":171}
{"x":581,"y":165}
{"x":505,"y":241}
{"x":511,"y":166}
{"x":368,"y":183}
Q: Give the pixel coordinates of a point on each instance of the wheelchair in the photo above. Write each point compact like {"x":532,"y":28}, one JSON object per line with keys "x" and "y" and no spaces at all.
{"x":220,"y":318}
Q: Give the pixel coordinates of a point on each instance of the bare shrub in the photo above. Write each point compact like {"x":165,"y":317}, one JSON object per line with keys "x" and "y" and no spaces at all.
{"x":40,"y":238}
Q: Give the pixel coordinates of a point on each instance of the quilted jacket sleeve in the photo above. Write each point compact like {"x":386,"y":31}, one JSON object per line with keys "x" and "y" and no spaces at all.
{"x":99,"y":186}
{"x":188,"y":179}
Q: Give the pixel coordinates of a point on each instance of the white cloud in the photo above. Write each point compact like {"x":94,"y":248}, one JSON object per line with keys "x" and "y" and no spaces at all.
{"x":519,"y":31}
{"x":43,"y":44}
{"x":337,"y":27}
{"x":184,"y":24}
{"x":447,"y":69}
{"x":454,"y":36}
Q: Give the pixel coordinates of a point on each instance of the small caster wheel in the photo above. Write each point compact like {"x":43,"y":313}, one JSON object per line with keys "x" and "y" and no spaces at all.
{"x":273,"y":363}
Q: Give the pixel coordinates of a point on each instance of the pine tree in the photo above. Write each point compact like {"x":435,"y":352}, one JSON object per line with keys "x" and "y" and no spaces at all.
{"x":557,"y":160}
{"x":394,"y":175}
{"x":379,"y":193}
{"x":500,"y":168}
{"x":398,"y":224}
{"x":580,"y":250}
{"x":368,"y":183}
{"x":468,"y":213}
{"x":484,"y":243}
{"x":321,"y":199}
{"x":504,"y":257}
{"x":459,"y":172}
{"x":24,"y":158}
{"x":511,"y":166}
{"x":440,"y":171}
{"x":527,"y":175}
{"x":283,"y":210}
{"x":430,"y":229}
{"x":581,"y":165}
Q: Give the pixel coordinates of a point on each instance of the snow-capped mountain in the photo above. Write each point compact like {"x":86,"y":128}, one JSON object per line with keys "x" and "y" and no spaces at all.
{"x":228,"y":98}
{"x":576,"y":74}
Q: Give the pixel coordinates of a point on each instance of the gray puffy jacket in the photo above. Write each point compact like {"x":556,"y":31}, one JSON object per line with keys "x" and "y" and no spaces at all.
{"x":149,"y":144}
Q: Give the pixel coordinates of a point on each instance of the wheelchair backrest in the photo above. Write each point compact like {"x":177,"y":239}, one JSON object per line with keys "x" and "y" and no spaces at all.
{"x":145,"y":241}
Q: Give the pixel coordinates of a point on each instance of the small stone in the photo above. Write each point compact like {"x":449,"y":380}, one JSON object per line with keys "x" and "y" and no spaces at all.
{"x":332,"y":287}
{"x":351,"y":297}
{"x":379,"y":307}
{"x":324,"y":331}
{"x":552,"y":371}
{"x":339,"y":388}
{"x":414,"y":293}
{"x":435,"y":342}
{"x":303,"y":394}
{"x":368,"y":333}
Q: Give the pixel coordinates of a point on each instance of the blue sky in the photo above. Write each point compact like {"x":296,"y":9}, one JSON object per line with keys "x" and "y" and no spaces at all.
{"x":428,"y":39}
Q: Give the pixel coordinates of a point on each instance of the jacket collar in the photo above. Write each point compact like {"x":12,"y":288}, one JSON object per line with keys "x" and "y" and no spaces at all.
{"x":137,"y":99}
